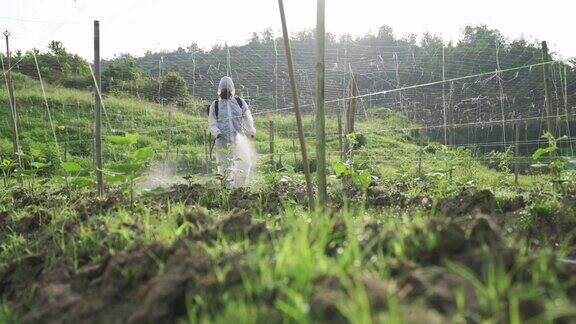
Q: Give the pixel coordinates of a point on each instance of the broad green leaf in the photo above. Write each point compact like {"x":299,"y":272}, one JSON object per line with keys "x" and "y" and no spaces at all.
{"x":127,"y":139}
{"x":543,"y":151}
{"x":71,"y":167}
{"x":116,"y":179}
{"x":82,"y":182}
{"x":341,"y":168}
{"x":125,"y":168}
{"x":143,"y":154}
{"x":39,"y":165}
{"x":35,"y":152}
{"x":6,"y":163}
{"x":362,"y":179}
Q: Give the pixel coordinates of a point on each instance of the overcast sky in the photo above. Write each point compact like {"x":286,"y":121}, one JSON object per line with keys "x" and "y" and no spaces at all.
{"x":134,"y":26}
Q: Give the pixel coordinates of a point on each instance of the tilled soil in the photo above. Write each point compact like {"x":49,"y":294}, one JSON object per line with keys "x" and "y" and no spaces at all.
{"x":151,"y":283}
{"x":145,"y":285}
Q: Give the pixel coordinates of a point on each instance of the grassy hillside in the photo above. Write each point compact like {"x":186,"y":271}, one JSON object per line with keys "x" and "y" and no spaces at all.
{"x":438,"y":236}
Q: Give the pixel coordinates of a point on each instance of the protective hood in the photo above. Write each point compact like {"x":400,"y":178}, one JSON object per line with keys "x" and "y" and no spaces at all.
{"x":226,"y":83}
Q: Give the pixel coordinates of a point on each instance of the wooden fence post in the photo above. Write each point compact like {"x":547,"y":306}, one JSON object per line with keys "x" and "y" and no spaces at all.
{"x":350,"y":115}
{"x":340,"y":140}
{"x":294,"y":151}
{"x":421,"y":151}
{"x":547,"y":104}
{"x":516,"y":152}
{"x":12,"y":103}
{"x":444,"y":108}
{"x":290,"y":63}
{"x":320,"y":118}
{"x":271,"y":139}
{"x":206,"y":148}
{"x":97,"y":111}
{"x":170,"y":127}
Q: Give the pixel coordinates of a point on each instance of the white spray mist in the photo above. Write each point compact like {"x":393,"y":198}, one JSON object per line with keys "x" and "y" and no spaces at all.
{"x":244,"y":167}
{"x":160,"y":175}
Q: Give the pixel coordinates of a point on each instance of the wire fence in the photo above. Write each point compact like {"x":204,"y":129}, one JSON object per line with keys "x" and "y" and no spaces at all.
{"x":460,"y":96}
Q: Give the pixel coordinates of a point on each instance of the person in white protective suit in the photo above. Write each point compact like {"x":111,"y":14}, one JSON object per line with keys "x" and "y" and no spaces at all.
{"x":227,"y":117}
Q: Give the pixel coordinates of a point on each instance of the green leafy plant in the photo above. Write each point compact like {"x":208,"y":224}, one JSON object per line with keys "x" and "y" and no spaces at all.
{"x":556,"y":164}
{"x":128,"y":172}
{"x":7,"y":167}
{"x":73,"y":175}
{"x":34,"y":163}
{"x":360,"y":177}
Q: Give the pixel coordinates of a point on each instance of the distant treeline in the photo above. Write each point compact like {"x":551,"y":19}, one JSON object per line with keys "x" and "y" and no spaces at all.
{"x":434,"y":76}
{"x":382,"y":62}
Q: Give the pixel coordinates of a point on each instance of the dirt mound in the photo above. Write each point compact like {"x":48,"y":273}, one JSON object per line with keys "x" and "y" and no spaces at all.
{"x":93,"y":204}
{"x":328,"y":292}
{"x":435,"y":286}
{"x":382,"y":197}
{"x":34,"y":221}
{"x":513,"y":204}
{"x":485,"y":231}
{"x":23,"y":198}
{"x":198,"y":217}
{"x":468,"y":202}
{"x":240,"y":224}
{"x":147,"y":285}
{"x":452,"y":240}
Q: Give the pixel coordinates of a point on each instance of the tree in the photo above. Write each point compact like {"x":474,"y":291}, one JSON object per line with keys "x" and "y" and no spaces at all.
{"x":173,"y":89}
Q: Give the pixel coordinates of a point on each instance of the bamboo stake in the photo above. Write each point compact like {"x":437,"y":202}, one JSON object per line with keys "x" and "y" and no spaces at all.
{"x":320,"y":118}
{"x":501,"y":92}
{"x":206,"y":148}
{"x":294,"y":88}
{"x":516,"y":153}
{"x":350,"y":114}
{"x":97,"y":110}
{"x":271,"y":136}
{"x":566,"y":108}
{"x":546,"y":69}
{"x":340,"y":140}
{"x":444,"y":115}
{"x":12,"y":103}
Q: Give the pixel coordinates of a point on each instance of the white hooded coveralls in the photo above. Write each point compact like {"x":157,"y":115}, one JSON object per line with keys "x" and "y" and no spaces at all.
{"x":231,"y":119}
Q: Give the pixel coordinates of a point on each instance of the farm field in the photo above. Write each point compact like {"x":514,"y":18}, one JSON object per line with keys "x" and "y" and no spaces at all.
{"x":413,"y":231}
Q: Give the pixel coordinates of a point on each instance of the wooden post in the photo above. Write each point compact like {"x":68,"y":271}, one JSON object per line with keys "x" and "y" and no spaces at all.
{"x":444,"y":110}
{"x":547,"y":104}
{"x":516,"y":152}
{"x":275,"y":75}
{"x":340,"y":141}
{"x":12,"y":104}
{"x":294,"y":151}
{"x":295,"y":97}
{"x":170,"y":124}
{"x":271,"y":137}
{"x":501,"y":92}
{"x":352,"y":102}
{"x":97,"y":111}
{"x":421,"y":151}
{"x":398,"y":83}
{"x":160,"y":101}
{"x":320,"y":118}
{"x":206,"y":148}
{"x":567,"y":109}
{"x":350,"y":114}
{"x":193,"y":74}
{"x":452,"y":135}
{"x":228,"y":66}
